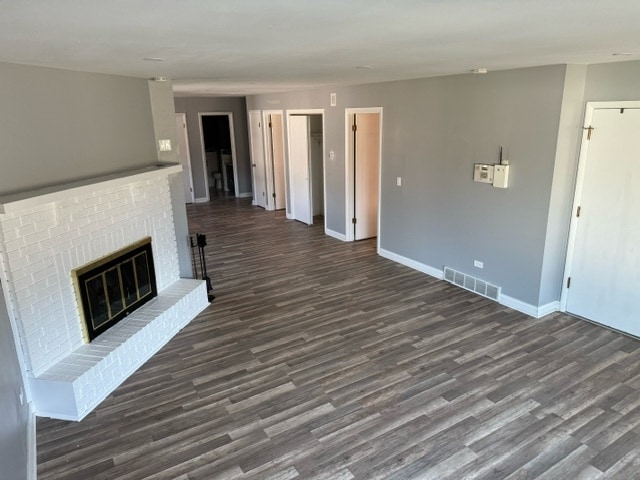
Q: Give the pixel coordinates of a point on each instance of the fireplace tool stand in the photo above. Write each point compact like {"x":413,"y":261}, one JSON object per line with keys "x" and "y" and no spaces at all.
{"x":197,"y":252}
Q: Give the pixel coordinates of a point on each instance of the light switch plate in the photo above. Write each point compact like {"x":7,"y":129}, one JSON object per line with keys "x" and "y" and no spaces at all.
{"x":165,"y":145}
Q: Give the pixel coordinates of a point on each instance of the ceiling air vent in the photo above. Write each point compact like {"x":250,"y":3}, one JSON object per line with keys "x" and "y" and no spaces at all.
{"x":472,"y":283}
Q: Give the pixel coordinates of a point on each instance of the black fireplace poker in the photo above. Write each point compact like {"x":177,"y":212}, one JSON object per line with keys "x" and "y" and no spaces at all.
{"x":197,"y":251}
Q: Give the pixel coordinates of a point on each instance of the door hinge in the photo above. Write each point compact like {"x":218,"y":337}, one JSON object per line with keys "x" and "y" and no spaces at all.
{"x":569,"y":282}
{"x":273,"y":195}
{"x":578,"y":212}
{"x":270,"y":125}
{"x":589,"y":129}
{"x":354,"y":220}
{"x":354,"y":128}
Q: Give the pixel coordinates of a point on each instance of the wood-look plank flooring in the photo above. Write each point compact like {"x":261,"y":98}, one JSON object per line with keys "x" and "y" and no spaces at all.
{"x":320,"y":359}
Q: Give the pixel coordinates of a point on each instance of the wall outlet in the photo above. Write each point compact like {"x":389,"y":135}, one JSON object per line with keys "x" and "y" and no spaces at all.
{"x":165,"y":145}
{"x":478,"y":263}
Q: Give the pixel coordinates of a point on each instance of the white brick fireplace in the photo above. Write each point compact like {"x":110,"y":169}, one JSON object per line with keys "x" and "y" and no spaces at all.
{"x":46,"y":234}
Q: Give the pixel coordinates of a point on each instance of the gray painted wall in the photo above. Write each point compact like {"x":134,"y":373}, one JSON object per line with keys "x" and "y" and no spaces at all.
{"x":434,"y":130}
{"x":191,"y":106}
{"x":59,"y":125}
{"x":613,"y":81}
{"x":164,"y":123}
{"x":15,"y":416}
{"x":563,"y":184}
{"x":164,"y":126}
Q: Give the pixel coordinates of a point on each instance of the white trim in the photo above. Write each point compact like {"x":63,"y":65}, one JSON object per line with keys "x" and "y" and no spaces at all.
{"x":32,"y":454}
{"x":245,"y":195}
{"x":334,"y":234}
{"x":202,"y":199}
{"x":289,"y":216}
{"x":505,"y":300}
{"x":421,"y":267}
{"x":234,"y":160}
{"x":527,"y":308}
{"x":289,"y":212}
{"x":582,"y":162}
{"x":550,"y":307}
{"x":268,"y":157}
{"x":348,"y":165}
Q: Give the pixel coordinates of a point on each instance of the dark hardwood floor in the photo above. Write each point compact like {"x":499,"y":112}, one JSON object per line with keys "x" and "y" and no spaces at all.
{"x":320,"y":359}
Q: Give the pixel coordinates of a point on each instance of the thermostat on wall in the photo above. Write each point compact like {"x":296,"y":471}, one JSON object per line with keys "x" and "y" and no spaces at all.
{"x":483,"y":173}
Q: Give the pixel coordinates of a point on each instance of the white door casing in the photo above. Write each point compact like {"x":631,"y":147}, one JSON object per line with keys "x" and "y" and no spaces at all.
{"x":277,"y":159}
{"x":260,"y":197}
{"x":299,"y":168}
{"x":603,"y":259}
{"x":363,"y":154}
{"x":274,"y":158}
{"x":184,"y":156}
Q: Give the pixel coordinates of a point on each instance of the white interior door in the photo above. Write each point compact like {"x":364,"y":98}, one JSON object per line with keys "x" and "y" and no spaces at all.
{"x":277,"y":160}
{"x":605,"y":267}
{"x":366,"y":174}
{"x":299,"y":164}
{"x":184,"y":156}
{"x":257,"y":159}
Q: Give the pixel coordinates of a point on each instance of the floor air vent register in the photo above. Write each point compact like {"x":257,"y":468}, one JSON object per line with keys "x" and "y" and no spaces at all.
{"x":473,"y":284}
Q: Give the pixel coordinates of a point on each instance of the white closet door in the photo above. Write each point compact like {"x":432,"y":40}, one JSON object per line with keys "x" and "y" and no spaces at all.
{"x":299,"y":163}
{"x":605,"y":272}
{"x":257,"y":159}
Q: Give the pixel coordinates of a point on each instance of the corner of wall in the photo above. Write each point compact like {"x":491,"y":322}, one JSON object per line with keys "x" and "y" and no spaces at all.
{"x":563,"y":184}
{"x":164,"y":122}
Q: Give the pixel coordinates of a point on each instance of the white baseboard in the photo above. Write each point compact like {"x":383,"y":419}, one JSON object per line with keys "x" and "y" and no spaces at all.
{"x":550,"y":307}
{"x":507,"y":301}
{"x":531,"y":310}
{"x":289,"y":216}
{"x":245,"y":195}
{"x":421,"y":267}
{"x":334,"y":234}
{"x":201,"y":200}
{"x":32,"y":454}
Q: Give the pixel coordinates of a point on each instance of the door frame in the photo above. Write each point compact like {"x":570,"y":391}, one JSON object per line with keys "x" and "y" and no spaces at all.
{"x":577,"y":197}
{"x":268,"y":157}
{"x":251,"y":152}
{"x":287,"y":166}
{"x":234,"y":160}
{"x":348,"y":174}
{"x":191,"y":195}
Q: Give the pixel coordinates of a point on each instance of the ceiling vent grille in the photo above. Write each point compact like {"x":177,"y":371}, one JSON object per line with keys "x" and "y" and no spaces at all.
{"x":473,"y":284}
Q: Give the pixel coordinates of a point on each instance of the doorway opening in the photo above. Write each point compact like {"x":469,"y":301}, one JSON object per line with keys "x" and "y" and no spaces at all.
{"x":306,"y":169}
{"x":219,"y":153}
{"x":363,"y":153}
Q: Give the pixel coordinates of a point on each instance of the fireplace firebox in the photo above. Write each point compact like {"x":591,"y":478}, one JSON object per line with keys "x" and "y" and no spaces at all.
{"x":112,"y":287}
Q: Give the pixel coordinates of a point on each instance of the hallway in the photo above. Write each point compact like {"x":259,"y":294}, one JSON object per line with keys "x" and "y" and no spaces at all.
{"x":320,"y":359}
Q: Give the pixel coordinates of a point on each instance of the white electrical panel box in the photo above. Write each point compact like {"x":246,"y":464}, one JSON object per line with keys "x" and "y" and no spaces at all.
{"x":501,"y":176}
{"x":483,"y":173}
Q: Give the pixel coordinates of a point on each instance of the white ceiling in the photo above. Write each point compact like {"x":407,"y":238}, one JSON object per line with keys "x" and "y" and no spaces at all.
{"x":237,"y":47}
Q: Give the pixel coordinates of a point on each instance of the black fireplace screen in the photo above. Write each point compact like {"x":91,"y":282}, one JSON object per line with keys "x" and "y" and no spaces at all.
{"x":112,"y":287}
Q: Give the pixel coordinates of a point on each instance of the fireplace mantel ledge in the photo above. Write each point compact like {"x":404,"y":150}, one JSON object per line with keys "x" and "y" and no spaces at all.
{"x":33,"y":198}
